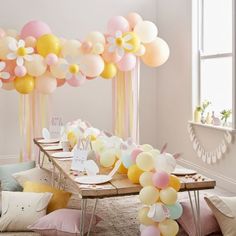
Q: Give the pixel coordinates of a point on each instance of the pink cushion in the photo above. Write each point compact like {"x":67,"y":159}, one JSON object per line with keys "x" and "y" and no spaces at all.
{"x":62,"y":222}
{"x":208,"y":221}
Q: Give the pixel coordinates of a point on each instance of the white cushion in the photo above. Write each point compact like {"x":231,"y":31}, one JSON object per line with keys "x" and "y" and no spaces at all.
{"x":20,"y":209}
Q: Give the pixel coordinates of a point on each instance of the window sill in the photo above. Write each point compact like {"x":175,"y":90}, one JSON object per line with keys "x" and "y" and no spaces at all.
{"x":221,"y":128}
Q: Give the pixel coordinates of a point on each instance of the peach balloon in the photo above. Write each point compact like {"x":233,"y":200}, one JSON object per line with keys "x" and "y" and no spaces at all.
{"x":2,"y":33}
{"x":46,"y":83}
{"x":157,"y":53}
{"x":10,"y":67}
{"x":110,"y":56}
{"x":8,"y":86}
{"x":91,"y":78}
{"x":86,"y":47}
{"x":133,"y":19}
{"x":30,"y":41}
{"x":77,"y":81}
{"x":60,"y":82}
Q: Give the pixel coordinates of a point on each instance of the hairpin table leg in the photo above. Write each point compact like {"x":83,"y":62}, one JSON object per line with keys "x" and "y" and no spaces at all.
{"x":42,"y":161}
{"x":83,"y":206}
{"x":92,"y":216}
{"x":53,"y":175}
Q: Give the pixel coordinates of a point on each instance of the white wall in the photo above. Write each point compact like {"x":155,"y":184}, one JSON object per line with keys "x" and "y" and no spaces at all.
{"x":174,"y":96}
{"x":73,"y":19}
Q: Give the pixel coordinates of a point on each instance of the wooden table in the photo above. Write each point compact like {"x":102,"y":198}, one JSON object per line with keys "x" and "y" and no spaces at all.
{"x":120,"y":185}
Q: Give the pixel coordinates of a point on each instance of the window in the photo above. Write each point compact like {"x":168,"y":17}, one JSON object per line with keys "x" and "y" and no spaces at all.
{"x":214,"y":58}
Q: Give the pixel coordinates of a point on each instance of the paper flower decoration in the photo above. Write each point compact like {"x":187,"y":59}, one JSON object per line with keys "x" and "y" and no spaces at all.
{"x":3,"y":74}
{"x":120,"y":43}
{"x":72,"y":68}
{"x":19,"y":52}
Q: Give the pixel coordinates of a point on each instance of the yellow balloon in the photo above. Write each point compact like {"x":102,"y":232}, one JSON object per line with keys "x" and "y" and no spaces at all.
{"x":146,"y":179}
{"x":169,"y":227}
{"x":4,"y":48}
{"x":109,"y":71}
{"x":149,"y":195}
{"x":98,"y":146}
{"x":143,"y":216}
{"x":145,"y":161}
{"x":57,"y":70}
{"x":168,"y":196}
{"x":146,"y":147}
{"x":72,"y":138}
{"x":134,"y":174}
{"x":24,"y":85}
{"x":122,"y":169}
{"x":175,"y":182}
{"x":157,"y":53}
{"x":132,"y":39}
{"x":107,"y":158}
{"x":154,"y":152}
{"x":36,"y":67}
{"x":48,"y":43}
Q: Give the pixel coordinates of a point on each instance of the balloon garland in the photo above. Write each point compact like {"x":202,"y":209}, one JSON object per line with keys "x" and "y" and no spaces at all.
{"x":143,"y":165}
{"x":36,"y":59}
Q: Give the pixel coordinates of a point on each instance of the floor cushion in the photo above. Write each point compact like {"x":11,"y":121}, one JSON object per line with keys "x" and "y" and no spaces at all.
{"x":59,"y":200}
{"x":20,"y":209}
{"x":63,"y":222}
{"x":8,"y":183}
{"x":224,"y":209}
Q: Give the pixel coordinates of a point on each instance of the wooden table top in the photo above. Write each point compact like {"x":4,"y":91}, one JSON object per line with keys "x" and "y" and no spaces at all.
{"x":120,"y":185}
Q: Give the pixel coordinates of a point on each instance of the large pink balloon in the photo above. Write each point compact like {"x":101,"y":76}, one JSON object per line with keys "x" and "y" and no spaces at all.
{"x":117,"y":23}
{"x":46,"y":83}
{"x":151,"y":231}
{"x":92,"y":65}
{"x":127,"y":62}
{"x":157,"y":53}
{"x":77,"y":82}
{"x":35,"y":29}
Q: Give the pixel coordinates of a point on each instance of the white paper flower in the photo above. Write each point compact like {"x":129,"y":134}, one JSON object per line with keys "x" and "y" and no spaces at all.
{"x":3,"y":74}
{"x":72,"y":68}
{"x":19,"y":52}
{"x":119,"y":43}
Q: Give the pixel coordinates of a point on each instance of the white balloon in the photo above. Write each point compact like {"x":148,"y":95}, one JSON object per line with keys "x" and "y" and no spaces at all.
{"x":157,"y":213}
{"x":165,"y":162}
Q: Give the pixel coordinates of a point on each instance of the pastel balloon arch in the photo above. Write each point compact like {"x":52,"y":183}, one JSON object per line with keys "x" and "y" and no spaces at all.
{"x":36,"y":62}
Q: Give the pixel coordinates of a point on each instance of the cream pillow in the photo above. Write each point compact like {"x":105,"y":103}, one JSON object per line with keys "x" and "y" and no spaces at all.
{"x":20,"y":209}
{"x":224,"y":209}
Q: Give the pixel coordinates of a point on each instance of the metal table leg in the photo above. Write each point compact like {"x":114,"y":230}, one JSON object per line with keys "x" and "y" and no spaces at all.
{"x":92,"y":216}
{"x":83,"y":207}
{"x":196,"y":211}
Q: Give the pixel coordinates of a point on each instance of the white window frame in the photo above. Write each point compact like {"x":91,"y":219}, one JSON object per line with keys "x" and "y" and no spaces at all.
{"x":197,"y":54}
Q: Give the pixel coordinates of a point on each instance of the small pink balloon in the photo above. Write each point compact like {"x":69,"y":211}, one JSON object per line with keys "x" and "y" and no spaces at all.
{"x":86,"y":47}
{"x":110,"y":56}
{"x":135,"y":153}
{"x":117,"y":23}
{"x":127,"y":62}
{"x":2,"y":33}
{"x":60,"y":82}
{"x":151,"y":231}
{"x":10,"y":68}
{"x":77,"y":82}
{"x":35,"y":29}
{"x":51,"y":59}
{"x":20,"y":71}
{"x":30,"y":41}
{"x":161,"y":179}
{"x":133,"y":19}
{"x":91,"y":78}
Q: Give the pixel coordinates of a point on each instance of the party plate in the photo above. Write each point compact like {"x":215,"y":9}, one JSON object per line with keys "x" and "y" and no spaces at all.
{"x":183,"y":171}
{"x":51,"y":140}
{"x":62,"y":154}
{"x":52,"y":148}
{"x":93,"y":179}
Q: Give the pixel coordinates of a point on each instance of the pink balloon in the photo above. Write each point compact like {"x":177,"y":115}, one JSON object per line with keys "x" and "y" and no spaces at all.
{"x":10,"y":67}
{"x":20,"y":71}
{"x":2,"y":33}
{"x":161,"y":179}
{"x":135,"y":153}
{"x":86,"y":47}
{"x":35,"y":29}
{"x":151,"y":231}
{"x":127,"y":62}
{"x":117,"y":23}
{"x":110,"y":56}
{"x":60,"y":82}
{"x":46,"y":83}
{"x":133,"y":19}
{"x":77,"y":82}
{"x":51,"y":59}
